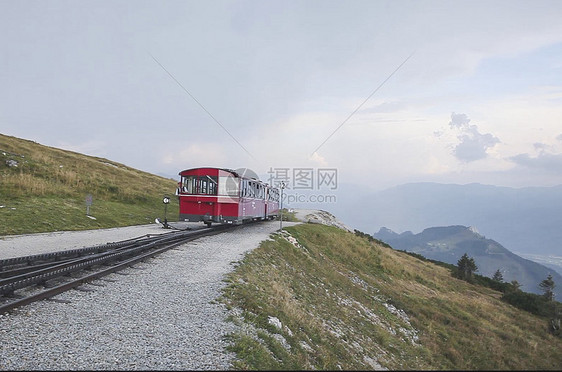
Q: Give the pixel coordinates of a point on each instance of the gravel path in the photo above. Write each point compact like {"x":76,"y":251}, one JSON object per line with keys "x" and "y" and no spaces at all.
{"x":139,"y":319}
{"x":29,"y":244}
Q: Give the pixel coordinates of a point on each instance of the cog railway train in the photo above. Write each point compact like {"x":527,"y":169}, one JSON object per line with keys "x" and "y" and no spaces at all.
{"x":225,"y":196}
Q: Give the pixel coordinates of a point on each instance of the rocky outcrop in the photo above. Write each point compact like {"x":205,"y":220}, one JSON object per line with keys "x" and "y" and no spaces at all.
{"x":320,"y":217}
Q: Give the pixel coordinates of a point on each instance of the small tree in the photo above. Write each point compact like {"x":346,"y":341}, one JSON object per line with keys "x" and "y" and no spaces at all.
{"x":498,"y":277}
{"x":466,"y":267}
{"x":547,"y":286}
{"x":555,"y":326}
{"x":516,"y":285}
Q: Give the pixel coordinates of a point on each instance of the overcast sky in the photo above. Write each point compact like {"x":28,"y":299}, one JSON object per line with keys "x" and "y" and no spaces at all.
{"x":459,"y":91}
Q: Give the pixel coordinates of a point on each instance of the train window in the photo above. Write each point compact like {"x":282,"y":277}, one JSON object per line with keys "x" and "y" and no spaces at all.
{"x":199,"y":185}
{"x":274,"y":195}
{"x":189,"y":184}
{"x":212,"y":186}
{"x":203,"y":186}
{"x":208,"y":185}
{"x":228,"y":186}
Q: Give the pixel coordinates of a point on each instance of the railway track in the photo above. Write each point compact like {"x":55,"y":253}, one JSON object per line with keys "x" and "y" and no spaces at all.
{"x":46,"y":275}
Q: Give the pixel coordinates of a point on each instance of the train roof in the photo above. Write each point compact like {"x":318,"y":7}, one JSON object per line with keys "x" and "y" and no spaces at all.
{"x":240,"y":172}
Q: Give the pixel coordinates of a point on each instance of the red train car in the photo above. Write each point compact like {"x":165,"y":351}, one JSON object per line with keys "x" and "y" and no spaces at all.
{"x":225,"y":196}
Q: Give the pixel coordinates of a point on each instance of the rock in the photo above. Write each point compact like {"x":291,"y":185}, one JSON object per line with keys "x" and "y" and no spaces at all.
{"x":12,"y":163}
{"x":275,"y":322}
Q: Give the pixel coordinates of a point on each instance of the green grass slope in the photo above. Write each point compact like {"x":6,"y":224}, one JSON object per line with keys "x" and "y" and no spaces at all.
{"x":449,"y":243}
{"x":317,"y":297}
{"x":44,"y":189}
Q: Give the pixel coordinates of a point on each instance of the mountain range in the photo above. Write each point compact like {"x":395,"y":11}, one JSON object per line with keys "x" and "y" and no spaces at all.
{"x":525,"y":220}
{"x":448,"y":244}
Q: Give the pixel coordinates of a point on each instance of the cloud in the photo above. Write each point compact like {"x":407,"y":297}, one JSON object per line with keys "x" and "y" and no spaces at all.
{"x":319,"y":160}
{"x":207,"y":153}
{"x":544,"y":160}
{"x":459,"y":121}
{"x":473,"y":144}
{"x":540,"y":146}
{"x":550,"y":162}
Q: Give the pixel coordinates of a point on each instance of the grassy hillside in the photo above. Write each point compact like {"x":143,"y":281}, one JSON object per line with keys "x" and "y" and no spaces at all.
{"x":448,"y":244}
{"x":317,"y":297}
{"x":44,"y":189}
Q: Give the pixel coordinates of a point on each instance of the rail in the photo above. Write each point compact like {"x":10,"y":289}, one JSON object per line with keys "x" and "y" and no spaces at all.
{"x":24,"y":272}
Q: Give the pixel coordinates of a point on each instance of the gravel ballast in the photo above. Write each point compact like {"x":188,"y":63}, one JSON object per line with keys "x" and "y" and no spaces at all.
{"x":30,"y":244}
{"x":158,"y":315}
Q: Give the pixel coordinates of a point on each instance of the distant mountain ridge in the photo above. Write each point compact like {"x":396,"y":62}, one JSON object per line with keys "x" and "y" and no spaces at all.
{"x":449,"y":243}
{"x":526,"y":220}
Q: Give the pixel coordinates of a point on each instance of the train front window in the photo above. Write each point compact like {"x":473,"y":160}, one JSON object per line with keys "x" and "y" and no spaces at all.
{"x":213,"y":185}
{"x":189,"y":184}
{"x":208,"y":185}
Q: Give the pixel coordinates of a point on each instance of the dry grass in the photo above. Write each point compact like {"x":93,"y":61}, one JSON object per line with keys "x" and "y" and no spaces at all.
{"x":335,"y":294}
{"x":34,"y":190}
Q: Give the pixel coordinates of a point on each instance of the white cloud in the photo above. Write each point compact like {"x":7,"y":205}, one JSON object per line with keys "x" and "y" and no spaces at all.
{"x":521,"y":120}
{"x":544,"y":160}
{"x":473,"y":144}
{"x":459,"y":121}
{"x":194,"y":154}
{"x":548,"y":156}
{"x":281,"y":77}
{"x":319,"y":160}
